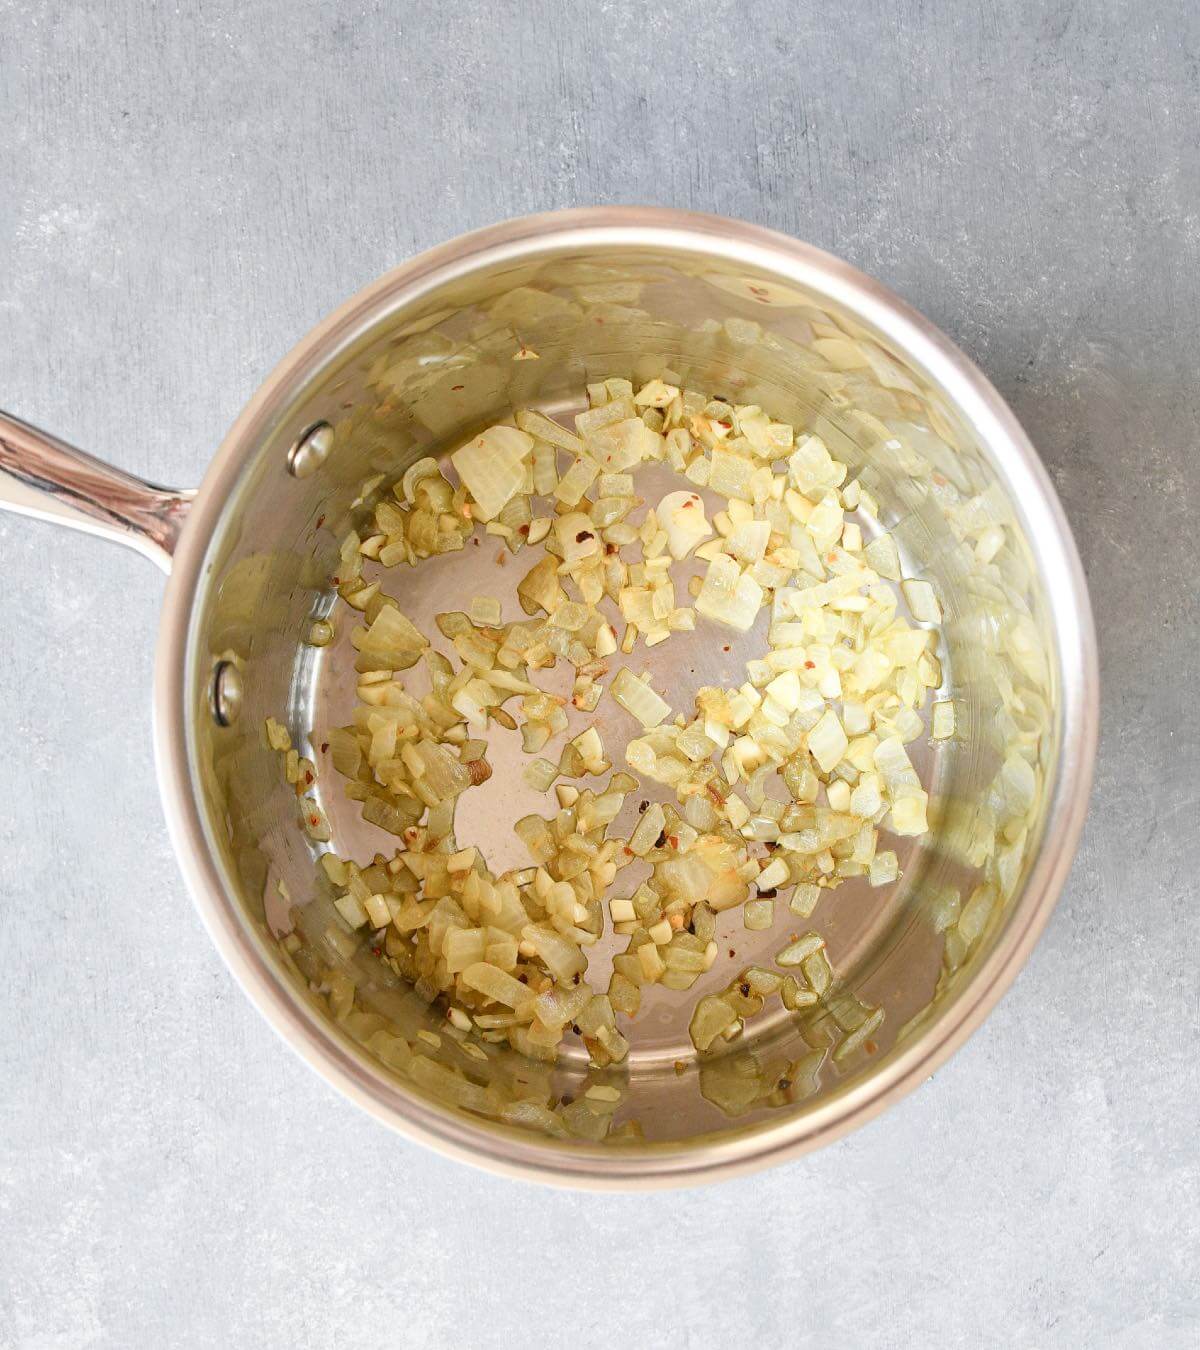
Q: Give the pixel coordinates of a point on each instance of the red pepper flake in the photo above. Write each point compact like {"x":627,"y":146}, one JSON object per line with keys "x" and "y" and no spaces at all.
{"x":320,"y":522}
{"x":726,"y":648}
{"x":732,"y":952}
{"x":335,"y":581}
{"x":583,"y":536}
{"x":810,"y":665}
{"x":475,"y":541}
{"x":501,"y":558}
{"x":673,"y":840}
{"x":759,"y":292}
{"x":456,"y":388}
{"x":610,"y":549}
{"x":324,"y":746}
{"x":522,"y":529}
{"x":870,"y":1047}
{"x":308,"y":777}
{"x":314,"y":820}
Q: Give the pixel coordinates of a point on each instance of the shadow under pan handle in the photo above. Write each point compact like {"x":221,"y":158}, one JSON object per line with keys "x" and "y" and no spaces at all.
{"x":44,"y":477}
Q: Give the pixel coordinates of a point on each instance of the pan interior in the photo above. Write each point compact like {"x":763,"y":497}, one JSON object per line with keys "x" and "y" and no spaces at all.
{"x":423,"y":376}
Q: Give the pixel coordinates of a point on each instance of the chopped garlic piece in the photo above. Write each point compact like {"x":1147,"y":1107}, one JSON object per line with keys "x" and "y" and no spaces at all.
{"x":681,"y":514}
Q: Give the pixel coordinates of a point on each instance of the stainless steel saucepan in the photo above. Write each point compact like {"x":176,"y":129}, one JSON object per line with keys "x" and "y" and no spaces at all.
{"x":410,"y":367}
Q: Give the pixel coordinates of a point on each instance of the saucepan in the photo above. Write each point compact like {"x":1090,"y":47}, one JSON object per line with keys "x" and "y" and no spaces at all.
{"x":526,"y":315}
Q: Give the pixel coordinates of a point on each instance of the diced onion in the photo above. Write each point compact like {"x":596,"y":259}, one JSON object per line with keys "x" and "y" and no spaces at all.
{"x":823,"y":713}
{"x":492,"y":467}
{"x":485,"y":611}
{"x":796,"y":953}
{"x":729,"y":595}
{"x":827,"y":742}
{"x":638,"y":699}
{"x":922,"y":601}
{"x":758,"y":915}
{"x":883,"y":868}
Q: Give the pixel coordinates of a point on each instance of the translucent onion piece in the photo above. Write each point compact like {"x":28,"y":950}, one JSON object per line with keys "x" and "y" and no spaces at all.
{"x":638,"y":699}
{"x":622,"y":445}
{"x":540,"y":774}
{"x":492,"y":467}
{"x":576,"y":481}
{"x":497,"y":985}
{"x":758,"y":915}
{"x":729,"y":595}
{"x":748,"y":541}
{"x":485,"y":611}
{"x":730,"y":474}
{"x":543,"y":429}
{"x":827,"y":742}
{"x":712,"y":1017}
{"x":812,"y":469}
{"x":796,"y":953}
{"x":648,"y":829}
{"x":922,"y":601}
{"x":883,"y":869}
{"x":390,"y":643}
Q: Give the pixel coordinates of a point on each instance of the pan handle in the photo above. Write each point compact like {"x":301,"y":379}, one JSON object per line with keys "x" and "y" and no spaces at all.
{"x":44,"y":477}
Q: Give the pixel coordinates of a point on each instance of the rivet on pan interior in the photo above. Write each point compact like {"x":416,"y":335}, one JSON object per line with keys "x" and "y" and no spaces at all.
{"x":226,"y":693}
{"x":310,"y":450}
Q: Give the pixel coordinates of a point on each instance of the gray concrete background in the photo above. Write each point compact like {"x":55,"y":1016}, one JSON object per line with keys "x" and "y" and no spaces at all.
{"x":184,"y":190}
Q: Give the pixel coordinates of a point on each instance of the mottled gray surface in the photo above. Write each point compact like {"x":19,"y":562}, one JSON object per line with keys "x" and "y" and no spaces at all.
{"x":184,"y":190}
